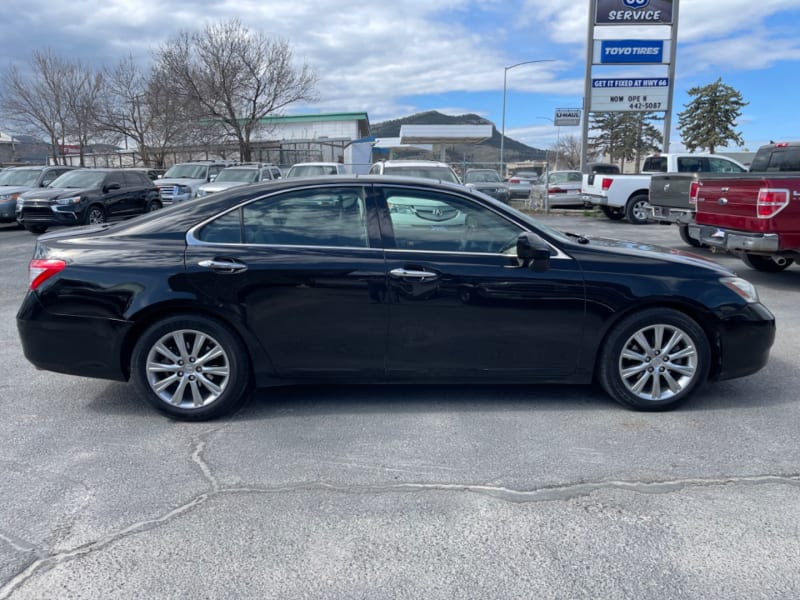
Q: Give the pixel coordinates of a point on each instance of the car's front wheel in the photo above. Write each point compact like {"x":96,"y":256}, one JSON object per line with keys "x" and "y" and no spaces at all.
{"x":191,"y":367}
{"x":654,"y":360}
{"x":35,"y":229}
{"x":95,"y":215}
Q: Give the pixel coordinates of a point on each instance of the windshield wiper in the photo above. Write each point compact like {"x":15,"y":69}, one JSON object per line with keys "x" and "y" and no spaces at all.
{"x":581,"y":239}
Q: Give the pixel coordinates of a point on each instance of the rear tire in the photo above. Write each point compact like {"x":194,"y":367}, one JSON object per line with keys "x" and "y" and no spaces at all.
{"x":153,"y":206}
{"x":684,"y":231}
{"x":636,"y":210}
{"x":614,"y":214}
{"x":191,"y":368}
{"x":654,"y":360}
{"x":767,"y":264}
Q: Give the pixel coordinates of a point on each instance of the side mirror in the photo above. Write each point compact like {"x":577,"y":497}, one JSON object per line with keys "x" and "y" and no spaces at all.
{"x":112,"y":186}
{"x":211,"y":178}
{"x":533,"y":251}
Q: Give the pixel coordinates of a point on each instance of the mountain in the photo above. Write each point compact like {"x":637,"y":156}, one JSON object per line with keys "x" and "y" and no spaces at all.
{"x":487,"y":151}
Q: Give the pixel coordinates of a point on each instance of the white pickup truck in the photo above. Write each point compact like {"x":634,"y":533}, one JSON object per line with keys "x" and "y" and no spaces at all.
{"x":627,"y":196}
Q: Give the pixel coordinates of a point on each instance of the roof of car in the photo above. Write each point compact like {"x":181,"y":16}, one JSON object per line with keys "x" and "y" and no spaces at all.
{"x":415,"y":163}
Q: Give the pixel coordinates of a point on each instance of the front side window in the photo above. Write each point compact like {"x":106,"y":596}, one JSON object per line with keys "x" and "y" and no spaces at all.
{"x":438,"y":222}
{"x":720,"y":165}
{"x":319,"y":217}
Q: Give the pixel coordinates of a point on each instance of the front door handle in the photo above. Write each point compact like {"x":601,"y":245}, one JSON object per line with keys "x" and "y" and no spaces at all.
{"x":223,"y":266}
{"x":412,"y":273}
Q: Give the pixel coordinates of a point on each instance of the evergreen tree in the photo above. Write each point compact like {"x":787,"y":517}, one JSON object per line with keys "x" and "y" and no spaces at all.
{"x":709,"y":119}
{"x":625,"y":136}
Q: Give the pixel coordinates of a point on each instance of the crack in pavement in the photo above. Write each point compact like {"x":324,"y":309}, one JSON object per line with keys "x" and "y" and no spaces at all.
{"x":543,"y":494}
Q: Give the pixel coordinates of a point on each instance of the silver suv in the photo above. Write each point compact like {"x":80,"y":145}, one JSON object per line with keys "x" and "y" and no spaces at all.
{"x":182,"y":181}
{"x":427,"y":169}
{"x":239,"y":175}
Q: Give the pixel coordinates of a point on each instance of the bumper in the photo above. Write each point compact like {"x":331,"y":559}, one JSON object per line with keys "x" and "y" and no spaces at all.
{"x":735,"y":241}
{"x":8,"y":211}
{"x":745,"y":341}
{"x":48,"y":216}
{"x":682,"y":216}
{"x":75,"y":345}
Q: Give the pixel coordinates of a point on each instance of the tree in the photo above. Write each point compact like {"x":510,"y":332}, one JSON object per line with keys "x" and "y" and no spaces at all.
{"x":36,"y":103}
{"x":234,"y":76}
{"x":625,"y":136}
{"x":710,"y":117}
{"x":568,"y":151}
{"x":83,"y":90}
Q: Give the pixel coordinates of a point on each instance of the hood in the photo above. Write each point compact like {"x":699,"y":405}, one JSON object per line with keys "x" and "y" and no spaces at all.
{"x":177,"y":181}
{"x":210,"y":188}
{"x":53,"y":193}
{"x":6,"y":190}
{"x":652,"y":251}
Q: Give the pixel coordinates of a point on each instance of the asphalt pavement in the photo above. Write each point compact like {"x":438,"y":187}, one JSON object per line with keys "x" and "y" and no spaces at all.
{"x":428,"y":492}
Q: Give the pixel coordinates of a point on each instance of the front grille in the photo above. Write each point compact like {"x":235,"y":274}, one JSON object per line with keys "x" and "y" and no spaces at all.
{"x":37,"y":214}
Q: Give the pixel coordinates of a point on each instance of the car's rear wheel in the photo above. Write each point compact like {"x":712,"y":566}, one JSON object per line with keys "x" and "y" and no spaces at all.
{"x":37,"y":229}
{"x":636,"y":211}
{"x":153,"y":206}
{"x":614,"y":214}
{"x":654,"y":360}
{"x":95,"y":215}
{"x":768,"y":264}
{"x":684,"y":232}
{"x":191,"y":367}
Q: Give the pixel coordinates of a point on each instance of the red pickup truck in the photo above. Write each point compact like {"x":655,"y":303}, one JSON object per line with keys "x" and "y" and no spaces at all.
{"x":755,"y":215}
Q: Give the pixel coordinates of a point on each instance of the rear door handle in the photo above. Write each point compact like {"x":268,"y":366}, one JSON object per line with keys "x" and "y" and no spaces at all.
{"x":412,"y":274}
{"x":223,"y":266}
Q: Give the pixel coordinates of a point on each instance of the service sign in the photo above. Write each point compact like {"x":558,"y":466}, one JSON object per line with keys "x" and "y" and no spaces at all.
{"x":633,"y":12}
{"x":636,"y":95}
{"x":567,"y":117}
{"x":630,"y":52}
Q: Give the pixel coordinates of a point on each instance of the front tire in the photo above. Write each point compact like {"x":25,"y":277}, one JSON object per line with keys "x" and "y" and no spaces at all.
{"x":95,"y":215}
{"x":654,"y":360}
{"x":636,"y":211}
{"x":36,"y":229}
{"x":191,"y":368}
{"x":154,"y":206}
{"x":767,"y":264}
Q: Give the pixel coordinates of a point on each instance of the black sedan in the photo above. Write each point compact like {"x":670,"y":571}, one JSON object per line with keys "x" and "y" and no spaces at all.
{"x":374,"y":279}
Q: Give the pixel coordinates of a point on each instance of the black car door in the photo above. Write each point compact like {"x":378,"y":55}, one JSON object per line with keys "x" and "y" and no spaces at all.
{"x":304,"y":270}
{"x":115,"y":195}
{"x":462,"y":304}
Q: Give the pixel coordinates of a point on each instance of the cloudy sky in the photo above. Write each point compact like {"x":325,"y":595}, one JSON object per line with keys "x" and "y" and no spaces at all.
{"x":393,"y":59}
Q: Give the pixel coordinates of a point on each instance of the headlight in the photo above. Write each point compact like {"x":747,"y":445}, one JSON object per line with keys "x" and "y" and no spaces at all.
{"x":10,"y":196}
{"x":67,"y":201}
{"x":201,"y":192}
{"x":182,"y":189}
{"x":742,"y":287}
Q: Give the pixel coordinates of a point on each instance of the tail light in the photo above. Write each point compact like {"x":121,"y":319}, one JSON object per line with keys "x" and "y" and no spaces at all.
{"x":513,"y":180}
{"x":771,"y":202}
{"x":42,"y":269}
{"x":694,"y":192}
{"x":606,"y":183}
{"x":555,"y":190}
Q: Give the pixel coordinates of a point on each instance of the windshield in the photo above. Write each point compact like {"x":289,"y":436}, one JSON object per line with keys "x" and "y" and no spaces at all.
{"x":312,"y":170}
{"x":238,"y":175}
{"x":21,"y":177}
{"x":565,"y":177}
{"x":437,"y":173}
{"x":186,"y":172}
{"x":487,"y":176}
{"x":78,"y":179}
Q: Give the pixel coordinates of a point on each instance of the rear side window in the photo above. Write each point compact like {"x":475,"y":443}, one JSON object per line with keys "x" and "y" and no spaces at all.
{"x":655,"y":163}
{"x":115,"y":178}
{"x":319,"y":217}
{"x":720,"y":165}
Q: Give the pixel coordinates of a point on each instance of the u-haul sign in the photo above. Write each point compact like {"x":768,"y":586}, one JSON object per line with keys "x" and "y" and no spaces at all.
{"x":567,"y":117}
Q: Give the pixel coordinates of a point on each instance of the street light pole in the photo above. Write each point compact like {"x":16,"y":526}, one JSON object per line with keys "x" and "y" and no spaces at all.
{"x":503,"y":118}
